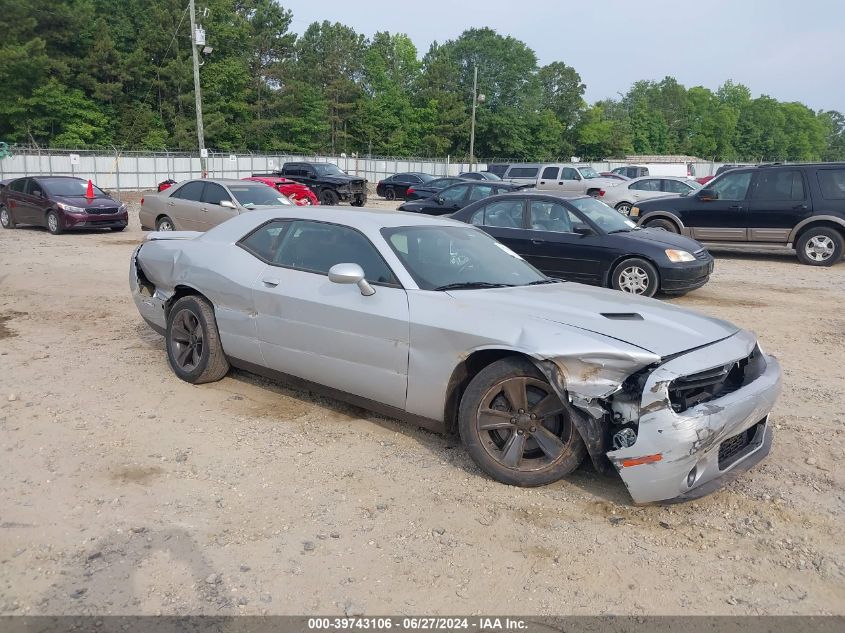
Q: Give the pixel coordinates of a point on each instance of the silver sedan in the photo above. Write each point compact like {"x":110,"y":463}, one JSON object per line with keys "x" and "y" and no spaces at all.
{"x":198,"y":205}
{"x":433,"y":321}
{"x":628,"y":193}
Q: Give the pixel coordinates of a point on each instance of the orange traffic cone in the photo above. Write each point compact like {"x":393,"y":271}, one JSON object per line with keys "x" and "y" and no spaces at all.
{"x":90,"y":191}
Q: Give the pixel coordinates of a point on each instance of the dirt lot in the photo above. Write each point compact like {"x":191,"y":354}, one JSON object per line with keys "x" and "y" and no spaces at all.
{"x":124,"y":490}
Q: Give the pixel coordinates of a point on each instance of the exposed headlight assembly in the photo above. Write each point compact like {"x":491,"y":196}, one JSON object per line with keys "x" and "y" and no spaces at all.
{"x":679,"y":256}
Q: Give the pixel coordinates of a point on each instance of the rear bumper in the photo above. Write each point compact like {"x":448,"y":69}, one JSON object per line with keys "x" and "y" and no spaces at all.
{"x":695,"y":447}
{"x":150,"y":302}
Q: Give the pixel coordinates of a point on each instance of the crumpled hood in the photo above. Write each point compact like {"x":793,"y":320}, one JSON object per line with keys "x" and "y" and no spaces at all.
{"x":342,"y":180}
{"x":664,"y":329}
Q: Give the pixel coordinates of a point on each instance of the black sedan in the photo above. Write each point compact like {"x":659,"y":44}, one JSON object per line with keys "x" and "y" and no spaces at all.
{"x":428,"y":189}
{"x":584,"y":240}
{"x":397,"y":185}
{"x":479,"y":175}
{"x":457,"y":197}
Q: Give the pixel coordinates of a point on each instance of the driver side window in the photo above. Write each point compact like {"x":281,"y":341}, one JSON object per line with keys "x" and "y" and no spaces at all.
{"x":214,"y":194}
{"x":552,"y":217}
{"x":453,"y":194}
{"x":567,"y":173}
{"x":732,"y":186}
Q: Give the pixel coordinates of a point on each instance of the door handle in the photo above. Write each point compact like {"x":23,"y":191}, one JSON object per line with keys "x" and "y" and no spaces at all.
{"x":171,"y":203}
{"x":271,"y":283}
{"x":800,"y":207}
{"x":542,"y":182}
{"x":560,"y":182}
{"x":204,"y":210}
{"x":537,"y":241}
{"x":736,"y":207}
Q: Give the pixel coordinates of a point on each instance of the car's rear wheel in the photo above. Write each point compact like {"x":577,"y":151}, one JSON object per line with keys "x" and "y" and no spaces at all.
{"x":193,"y":342}
{"x":54,"y":223}
{"x":329,"y":197}
{"x":164,"y":223}
{"x":661,"y":223}
{"x":636,"y":276}
{"x":516,"y":428}
{"x":390,"y":193}
{"x":820,"y":246}
{"x":624,"y":208}
{"x":6,"y":219}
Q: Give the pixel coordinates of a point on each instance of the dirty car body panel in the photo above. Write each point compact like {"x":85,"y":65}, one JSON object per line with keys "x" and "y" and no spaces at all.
{"x":694,"y":391}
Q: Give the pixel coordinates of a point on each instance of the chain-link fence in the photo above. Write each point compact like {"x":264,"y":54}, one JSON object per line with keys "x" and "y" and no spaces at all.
{"x":139,"y":170}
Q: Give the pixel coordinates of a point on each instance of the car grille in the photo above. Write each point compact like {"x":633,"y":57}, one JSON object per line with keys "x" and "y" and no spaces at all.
{"x":703,"y":255}
{"x":689,"y":391}
{"x":731,"y":449}
{"x":102,"y":210}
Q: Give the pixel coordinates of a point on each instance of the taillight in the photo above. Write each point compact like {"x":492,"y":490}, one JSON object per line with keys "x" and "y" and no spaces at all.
{"x":142,"y":202}
{"x":410,"y":190}
{"x":601,"y":192}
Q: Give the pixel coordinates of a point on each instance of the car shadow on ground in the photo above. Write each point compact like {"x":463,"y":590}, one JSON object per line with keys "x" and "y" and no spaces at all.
{"x":445,"y":447}
{"x":33,"y":228}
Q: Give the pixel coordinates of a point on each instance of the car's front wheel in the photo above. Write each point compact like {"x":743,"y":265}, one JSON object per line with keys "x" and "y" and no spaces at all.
{"x":359,"y":201}
{"x":54,"y":223}
{"x":516,"y":428}
{"x":624,"y":208}
{"x":820,"y":247}
{"x":6,"y":219}
{"x":193,"y":342}
{"x":329,"y":197}
{"x":636,"y":276}
{"x":660,"y":223}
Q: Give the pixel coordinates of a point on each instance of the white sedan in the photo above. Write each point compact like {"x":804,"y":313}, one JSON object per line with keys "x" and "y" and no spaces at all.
{"x":626,"y":194}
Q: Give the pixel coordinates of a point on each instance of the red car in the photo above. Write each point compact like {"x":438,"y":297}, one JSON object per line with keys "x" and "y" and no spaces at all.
{"x":298,"y":193}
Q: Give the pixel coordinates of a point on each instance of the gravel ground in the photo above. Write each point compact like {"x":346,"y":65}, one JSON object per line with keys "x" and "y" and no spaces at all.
{"x":126,"y":491}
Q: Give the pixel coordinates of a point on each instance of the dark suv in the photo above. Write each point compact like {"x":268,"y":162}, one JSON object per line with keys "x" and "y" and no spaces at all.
{"x":60,"y":203}
{"x":769,"y":206}
{"x":328,"y":181}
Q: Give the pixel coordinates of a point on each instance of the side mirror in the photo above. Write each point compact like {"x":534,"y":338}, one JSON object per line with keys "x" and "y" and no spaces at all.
{"x":579,"y":228}
{"x":351,"y":274}
{"x":228,"y":204}
{"x":707,"y":194}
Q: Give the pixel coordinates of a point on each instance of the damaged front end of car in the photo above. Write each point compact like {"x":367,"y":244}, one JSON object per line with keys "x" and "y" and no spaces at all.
{"x":674,"y":428}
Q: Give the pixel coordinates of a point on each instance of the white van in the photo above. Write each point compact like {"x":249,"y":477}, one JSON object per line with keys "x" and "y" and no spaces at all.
{"x":679,"y":170}
{"x":574,"y":179}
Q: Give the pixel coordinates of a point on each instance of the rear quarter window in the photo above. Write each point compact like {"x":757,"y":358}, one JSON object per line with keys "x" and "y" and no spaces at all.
{"x":832,"y":183}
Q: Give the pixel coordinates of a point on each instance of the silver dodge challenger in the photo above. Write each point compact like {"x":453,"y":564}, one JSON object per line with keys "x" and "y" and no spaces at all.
{"x":433,"y":321}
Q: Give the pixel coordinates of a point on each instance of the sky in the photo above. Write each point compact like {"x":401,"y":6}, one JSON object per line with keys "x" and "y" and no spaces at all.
{"x":791,"y":51}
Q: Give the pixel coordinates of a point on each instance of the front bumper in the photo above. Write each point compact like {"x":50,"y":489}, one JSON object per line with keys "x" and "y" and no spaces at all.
{"x":93,"y":220}
{"x":685,"y":277}
{"x":688,"y":443}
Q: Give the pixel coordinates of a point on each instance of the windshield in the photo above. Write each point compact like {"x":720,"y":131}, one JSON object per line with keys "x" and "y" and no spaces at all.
{"x":489,"y":175}
{"x":588,"y":172}
{"x":425,"y":177}
{"x":251,"y":196}
{"x":607,"y":219}
{"x":438,"y":256}
{"x":328,"y":169}
{"x":69,"y":187}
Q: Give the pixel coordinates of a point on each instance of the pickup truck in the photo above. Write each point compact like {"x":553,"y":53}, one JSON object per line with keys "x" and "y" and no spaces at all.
{"x":573,"y":179}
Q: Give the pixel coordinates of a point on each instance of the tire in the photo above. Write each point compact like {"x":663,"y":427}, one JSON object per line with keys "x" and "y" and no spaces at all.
{"x":329,"y":197}
{"x":54,"y":223}
{"x":624,"y":208}
{"x":193,"y":343}
{"x":390,"y":193}
{"x":164,"y":223}
{"x":6,"y":219}
{"x":359,"y":201}
{"x":660,"y":223}
{"x":117,"y":229}
{"x":513,"y":453}
{"x":636,"y":276}
{"x":820,"y":246}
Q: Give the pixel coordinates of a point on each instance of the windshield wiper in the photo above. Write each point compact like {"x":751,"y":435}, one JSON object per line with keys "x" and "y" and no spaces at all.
{"x":544,"y":281}
{"x":468,"y":285}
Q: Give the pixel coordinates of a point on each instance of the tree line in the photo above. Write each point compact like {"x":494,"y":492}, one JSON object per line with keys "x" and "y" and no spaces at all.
{"x":95,"y":73}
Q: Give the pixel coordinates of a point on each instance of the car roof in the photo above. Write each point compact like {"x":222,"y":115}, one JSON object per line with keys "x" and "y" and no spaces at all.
{"x":227,"y":181}
{"x":363,"y":218}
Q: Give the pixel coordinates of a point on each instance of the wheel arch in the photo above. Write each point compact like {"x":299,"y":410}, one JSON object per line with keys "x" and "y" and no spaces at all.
{"x":663,"y":215}
{"x":183,"y":290}
{"x":816,"y":222}
{"x":464,"y":372}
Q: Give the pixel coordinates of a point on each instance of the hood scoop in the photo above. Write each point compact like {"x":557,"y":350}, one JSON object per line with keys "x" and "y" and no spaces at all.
{"x":623,"y":316}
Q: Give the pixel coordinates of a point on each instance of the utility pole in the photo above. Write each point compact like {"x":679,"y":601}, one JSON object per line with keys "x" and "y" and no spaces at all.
{"x":472,"y":125}
{"x":197,"y":93}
